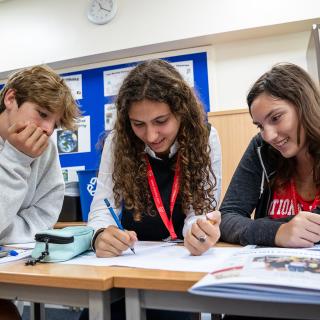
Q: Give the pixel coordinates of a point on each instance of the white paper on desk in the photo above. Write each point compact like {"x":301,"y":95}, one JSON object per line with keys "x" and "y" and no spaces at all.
{"x":27,"y":245}
{"x":22,"y":253}
{"x":141,"y":249}
{"x":155,"y":255}
{"x":316,"y":247}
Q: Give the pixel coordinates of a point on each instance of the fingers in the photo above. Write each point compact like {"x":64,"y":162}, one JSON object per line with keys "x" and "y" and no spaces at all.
{"x":192,"y":245}
{"x":133,"y":237}
{"x":308,"y":226}
{"x":203,"y":234}
{"x":206,"y":233}
{"x":35,"y":139}
{"x":113,"y":241}
{"x":287,"y":240}
{"x":310,"y":231}
{"x":28,"y":138}
{"x":214,"y":217}
{"x":301,"y":232}
{"x":312,"y":217}
{"x":17,"y":127}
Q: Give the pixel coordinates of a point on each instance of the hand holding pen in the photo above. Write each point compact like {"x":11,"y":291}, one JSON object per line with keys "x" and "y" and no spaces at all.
{"x":116,"y":219}
{"x":204,"y":233}
{"x":114,"y":239}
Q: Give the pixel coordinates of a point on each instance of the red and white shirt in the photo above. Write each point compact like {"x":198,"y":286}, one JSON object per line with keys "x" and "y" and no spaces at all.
{"x":288,"y":202}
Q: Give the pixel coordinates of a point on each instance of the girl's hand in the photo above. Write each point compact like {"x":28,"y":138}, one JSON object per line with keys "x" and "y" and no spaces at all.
{"x":113,"y":241}
{"x":301,"y":232}
{"x":203,"y":234}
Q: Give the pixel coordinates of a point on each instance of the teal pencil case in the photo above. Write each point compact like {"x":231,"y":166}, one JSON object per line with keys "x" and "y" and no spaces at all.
{"x":59,"y":245}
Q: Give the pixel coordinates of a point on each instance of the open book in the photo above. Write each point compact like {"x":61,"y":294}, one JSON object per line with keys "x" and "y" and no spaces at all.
{"x":266,"y":274}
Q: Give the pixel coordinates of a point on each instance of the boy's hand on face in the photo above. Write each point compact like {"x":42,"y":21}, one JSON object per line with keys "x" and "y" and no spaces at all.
{"x":28,"y":138}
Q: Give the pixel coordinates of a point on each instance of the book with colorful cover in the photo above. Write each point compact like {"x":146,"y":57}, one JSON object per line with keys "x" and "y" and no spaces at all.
{"x":265,"y":274}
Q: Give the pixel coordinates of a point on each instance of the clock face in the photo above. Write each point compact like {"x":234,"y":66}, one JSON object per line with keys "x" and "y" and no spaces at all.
{"x":102,"y":11}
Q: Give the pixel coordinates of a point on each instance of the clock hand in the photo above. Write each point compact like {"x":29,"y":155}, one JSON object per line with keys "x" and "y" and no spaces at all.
{"x":101,"y":7}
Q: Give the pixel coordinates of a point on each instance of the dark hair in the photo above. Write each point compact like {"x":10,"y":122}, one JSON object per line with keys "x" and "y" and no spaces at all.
{"x":157,"y":80}
{"x":289,"y":82}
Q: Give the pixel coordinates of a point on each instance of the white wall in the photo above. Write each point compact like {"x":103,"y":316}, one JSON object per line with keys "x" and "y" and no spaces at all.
{"x":234,"y":66}
{"x":243,"y":37}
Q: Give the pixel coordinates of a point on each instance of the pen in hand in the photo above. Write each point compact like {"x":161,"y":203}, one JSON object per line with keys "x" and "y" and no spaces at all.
{"x":115,"y":218}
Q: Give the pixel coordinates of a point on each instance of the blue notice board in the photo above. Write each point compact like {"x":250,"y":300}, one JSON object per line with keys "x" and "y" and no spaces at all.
{"x":96,"y":97}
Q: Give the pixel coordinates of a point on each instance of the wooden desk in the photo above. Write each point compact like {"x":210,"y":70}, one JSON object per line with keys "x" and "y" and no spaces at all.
{"x":60,"y":225}
{"x":82,"y":286}
{"x":158,"y":289}
{"x":94,"y":287}
{"x":153,"y":289}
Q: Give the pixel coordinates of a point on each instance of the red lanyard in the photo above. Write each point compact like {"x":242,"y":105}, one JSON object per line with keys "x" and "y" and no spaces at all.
{"x":294,"y":198}
{"x":157,"y":198}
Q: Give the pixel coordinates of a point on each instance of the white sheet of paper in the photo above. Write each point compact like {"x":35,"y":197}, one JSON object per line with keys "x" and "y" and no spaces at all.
{"x":158,"y":255}
{"x":112,"y":80}
{"x":27,"y":245}
{"x":74,"y":82}
{"x":186,"y":70}
{"x":22,"y":253}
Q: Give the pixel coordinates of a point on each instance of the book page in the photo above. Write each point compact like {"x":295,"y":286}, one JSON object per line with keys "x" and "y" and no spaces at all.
{"x":263,"y":272}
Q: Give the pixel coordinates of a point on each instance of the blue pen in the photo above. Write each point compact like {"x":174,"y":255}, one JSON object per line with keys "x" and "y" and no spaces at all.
{"x":11,"y":253}
{"x":115,"y":218}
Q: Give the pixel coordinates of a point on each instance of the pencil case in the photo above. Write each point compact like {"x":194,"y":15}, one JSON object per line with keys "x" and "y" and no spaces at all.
{"x":59,"y":245}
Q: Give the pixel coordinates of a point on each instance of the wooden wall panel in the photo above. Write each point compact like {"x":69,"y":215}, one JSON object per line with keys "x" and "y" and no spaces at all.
{"x":235,"y":130}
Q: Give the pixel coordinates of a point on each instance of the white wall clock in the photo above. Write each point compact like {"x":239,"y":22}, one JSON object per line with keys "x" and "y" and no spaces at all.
{"x":102,"y":11}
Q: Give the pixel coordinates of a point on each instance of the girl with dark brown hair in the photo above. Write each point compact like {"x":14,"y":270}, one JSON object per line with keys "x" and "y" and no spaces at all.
{"x":279,"y":174}
{"x":161,"y":165}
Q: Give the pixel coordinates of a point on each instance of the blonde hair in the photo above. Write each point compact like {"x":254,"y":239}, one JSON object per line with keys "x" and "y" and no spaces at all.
{"x":42,"y":86}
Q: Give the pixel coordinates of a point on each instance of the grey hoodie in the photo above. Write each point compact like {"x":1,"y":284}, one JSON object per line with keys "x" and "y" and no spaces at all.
{"x":31,"y":195}
{"x":249,"y":190}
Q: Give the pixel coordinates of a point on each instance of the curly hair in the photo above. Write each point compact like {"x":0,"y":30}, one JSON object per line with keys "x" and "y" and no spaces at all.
{"x":157,"y":80}
{"x":289,"y":82}
{"x":41,"y":85}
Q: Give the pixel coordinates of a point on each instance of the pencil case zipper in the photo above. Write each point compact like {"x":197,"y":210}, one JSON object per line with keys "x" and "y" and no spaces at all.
{"x":48,"y":238}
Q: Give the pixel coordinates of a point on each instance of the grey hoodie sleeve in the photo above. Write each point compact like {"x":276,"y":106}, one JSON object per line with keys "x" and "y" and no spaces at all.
{"x":241,"y":199}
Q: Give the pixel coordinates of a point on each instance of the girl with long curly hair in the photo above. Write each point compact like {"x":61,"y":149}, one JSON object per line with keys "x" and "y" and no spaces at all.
{"x":160,"y":167}
{"x":279,"y":174}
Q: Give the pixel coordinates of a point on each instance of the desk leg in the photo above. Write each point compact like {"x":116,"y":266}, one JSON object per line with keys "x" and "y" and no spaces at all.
{"x":37,"y":311}
{"x":134,"y":311}
{"x":99,"y":305}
